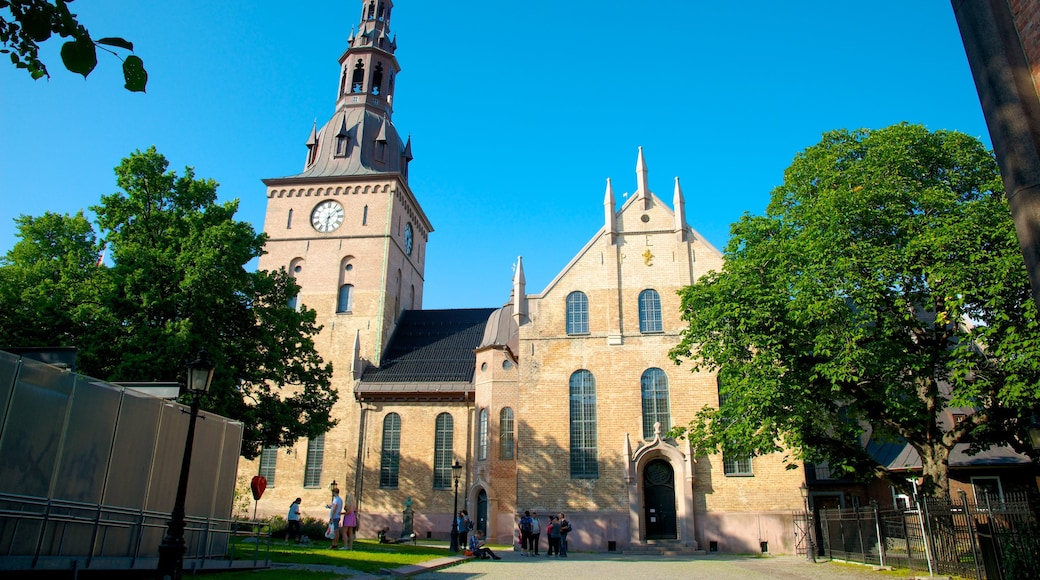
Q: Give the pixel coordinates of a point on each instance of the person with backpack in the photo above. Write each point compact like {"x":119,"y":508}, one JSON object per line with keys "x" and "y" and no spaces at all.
{"x":565,"y":528}
{"x":553,"y":533}
{"x":465,"y":526}
{"x":525,"y":534}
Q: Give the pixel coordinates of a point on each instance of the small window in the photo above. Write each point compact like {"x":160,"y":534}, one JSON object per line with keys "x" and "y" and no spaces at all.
{"x":649,"y":311}
{"x":288,"y":222}
{"x":482,"y":444}
{"x":381,"y":151}
{"x":342,"y":145}
{"x":364,"y":216}
{"x":735,"y":464}
{"x":506,"y":437}
{"x":358,"y":78}
{"x":315,"y":458}
{"x":268,"y":463}
{"x":345,"y":300}
{"x":443,"y":451}
{"x":577,"y":313}
{"x":390,"y":458}
{"x":988,"y":491}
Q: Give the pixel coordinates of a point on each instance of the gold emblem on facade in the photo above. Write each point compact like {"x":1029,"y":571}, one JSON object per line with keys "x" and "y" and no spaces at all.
{"x":648,"y":257}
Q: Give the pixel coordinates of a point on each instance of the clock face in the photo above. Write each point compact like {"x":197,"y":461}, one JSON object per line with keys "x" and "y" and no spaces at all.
{"x":408,"y":239}
{"x":327,"y":216}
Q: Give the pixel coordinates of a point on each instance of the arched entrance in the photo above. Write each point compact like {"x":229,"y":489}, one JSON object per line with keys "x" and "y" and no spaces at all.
{"x":482,"y":511}
{"x":659,"y":500}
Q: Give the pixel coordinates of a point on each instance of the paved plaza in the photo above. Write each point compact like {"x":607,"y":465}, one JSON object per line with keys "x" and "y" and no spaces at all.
{"x":620,"y":567}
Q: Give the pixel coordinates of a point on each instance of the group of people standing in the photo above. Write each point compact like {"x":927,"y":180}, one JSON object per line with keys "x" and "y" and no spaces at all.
{"x":342,"y":521}
{"x":556,"y":531}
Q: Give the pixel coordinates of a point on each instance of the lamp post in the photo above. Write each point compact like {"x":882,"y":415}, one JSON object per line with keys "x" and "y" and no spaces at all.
{"x":810,"y":548}
{"x":456,"y":472}
{"x":172,"y":548}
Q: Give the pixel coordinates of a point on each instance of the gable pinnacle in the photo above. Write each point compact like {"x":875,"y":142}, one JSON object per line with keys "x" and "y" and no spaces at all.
{"x":643,"y":190}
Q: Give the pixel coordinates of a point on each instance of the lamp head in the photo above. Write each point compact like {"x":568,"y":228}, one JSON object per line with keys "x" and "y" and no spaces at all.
{"x":456,"y":470}
{"x":200,"y":373}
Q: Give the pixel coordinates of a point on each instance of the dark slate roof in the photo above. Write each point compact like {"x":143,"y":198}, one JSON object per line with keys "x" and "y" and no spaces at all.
{"x":430,"y":350}
{"x":903,"y":457}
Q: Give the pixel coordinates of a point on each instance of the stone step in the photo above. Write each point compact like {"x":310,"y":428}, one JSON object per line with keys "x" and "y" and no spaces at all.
{"x":662,"y":548}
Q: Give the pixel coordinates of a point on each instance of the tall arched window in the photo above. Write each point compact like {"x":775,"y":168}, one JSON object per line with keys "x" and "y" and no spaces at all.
{"x":295,"y":269}
{"x":577,"y":313}
{"x":269,"y":463}
{"x":315,"y":459}
{"x":390,"y":457}
{"x":655,"y":401}
{"x":345,"y":301}
{"x":505,"y":433}
{"x":443,"y":451}
{"x":482,"y":443}
{"x":584,"y":462}
{"x":650,"y":311}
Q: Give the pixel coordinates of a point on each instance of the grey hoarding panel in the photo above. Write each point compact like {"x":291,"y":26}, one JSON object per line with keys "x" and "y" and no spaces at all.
{"x":87,"y":447}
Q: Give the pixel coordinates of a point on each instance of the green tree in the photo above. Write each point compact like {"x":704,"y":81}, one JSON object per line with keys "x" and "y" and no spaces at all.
{"x":51,"y":289}
{"x":883,"y":287}
{"x":179,"y":284}
{"x":26,"y":23}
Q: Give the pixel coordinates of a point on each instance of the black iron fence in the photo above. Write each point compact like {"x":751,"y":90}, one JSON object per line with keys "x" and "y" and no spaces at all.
{"x":995,"y":539}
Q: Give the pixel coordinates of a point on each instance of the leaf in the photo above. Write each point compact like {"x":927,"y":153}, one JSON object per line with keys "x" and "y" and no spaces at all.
{"x":134,"y":74}
{"x":116,"y":41}
{"x":79,"y":55}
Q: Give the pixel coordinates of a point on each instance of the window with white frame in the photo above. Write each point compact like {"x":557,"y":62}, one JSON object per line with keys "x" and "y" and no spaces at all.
{"x":315,"y":458}
{"x":268,"y":463}
{"x":443,"y":451}
{"x":390,"y":455}
{"x":987,"y":490}
{"x":584,"y":455}
{"x":506,"y":437}
{"x":650,"y":311}
{"x":655,"y":401}
{"x":482,"y":430}
{"x":577,"y":313}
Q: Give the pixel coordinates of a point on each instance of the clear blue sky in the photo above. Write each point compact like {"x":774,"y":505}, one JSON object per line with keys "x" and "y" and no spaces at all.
{"x":518,"y":111}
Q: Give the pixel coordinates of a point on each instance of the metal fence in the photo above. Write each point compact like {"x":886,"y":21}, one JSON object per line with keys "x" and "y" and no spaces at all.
{"x":48,"y":534}
{"x":997,"y":539}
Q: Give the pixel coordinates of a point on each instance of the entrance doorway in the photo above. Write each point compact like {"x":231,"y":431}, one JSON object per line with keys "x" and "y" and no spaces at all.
{"x":482,"y":511}
{"x":659,"y":500}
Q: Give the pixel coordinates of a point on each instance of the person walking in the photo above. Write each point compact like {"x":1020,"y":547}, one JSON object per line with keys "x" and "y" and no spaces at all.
{"x":293,"y":519}
{"x":335,"y":511}
{"x":565,"y":528}
{"x":553,"y":533}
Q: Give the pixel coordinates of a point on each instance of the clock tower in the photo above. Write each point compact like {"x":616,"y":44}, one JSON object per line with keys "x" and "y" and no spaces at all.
{"x":348,"y":227}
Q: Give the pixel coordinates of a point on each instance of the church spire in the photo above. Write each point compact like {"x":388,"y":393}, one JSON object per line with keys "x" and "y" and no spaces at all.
{"x":368,"y":67}
{"x":643,"y":193}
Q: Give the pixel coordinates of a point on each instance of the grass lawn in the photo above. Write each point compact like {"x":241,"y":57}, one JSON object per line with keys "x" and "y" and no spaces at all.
{"x":368,"y":556}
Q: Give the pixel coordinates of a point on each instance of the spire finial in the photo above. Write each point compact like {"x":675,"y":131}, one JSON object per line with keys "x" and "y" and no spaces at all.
{"x":643,"y":191}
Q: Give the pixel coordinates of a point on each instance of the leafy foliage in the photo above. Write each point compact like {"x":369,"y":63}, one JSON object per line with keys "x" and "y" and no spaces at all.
{"x":30,"y":22}
{"x":883,"y":289}
{"x":178,"y":284}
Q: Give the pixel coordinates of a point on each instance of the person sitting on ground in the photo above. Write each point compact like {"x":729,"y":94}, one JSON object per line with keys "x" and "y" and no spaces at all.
{"x":478,"y":547}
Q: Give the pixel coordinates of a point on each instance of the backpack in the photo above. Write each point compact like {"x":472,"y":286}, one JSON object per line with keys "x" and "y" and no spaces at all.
{"x":469,"y":524}
{"x":525,"y":525}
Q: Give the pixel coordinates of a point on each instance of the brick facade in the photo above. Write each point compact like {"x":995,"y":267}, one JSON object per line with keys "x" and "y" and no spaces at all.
{"x":1027,"y":20}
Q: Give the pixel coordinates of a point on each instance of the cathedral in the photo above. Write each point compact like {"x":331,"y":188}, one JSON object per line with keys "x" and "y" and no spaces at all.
{"x":558,"y":401}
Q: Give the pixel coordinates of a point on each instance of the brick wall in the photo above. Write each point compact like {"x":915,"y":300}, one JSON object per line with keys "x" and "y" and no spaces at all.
{"x":1027,"y":21}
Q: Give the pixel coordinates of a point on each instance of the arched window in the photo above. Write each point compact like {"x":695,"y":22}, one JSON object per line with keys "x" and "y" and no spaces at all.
{"x":482,"y":444}
{"x":345,"y":301}
{"x":364,"y":216}
{"x":315,"y":458}
{"x":295,"y":269}
{"x":650,"y":311}
{"x":397,"y":295}
{"x":288,"y":222}
{"x":390,"y":458}
{"x":443,"y":451}
{"x":584,"y":462}
{"x":577,"y":313}
{"x":505,"y":433}
{"x":377,"y":78}
{"x":655,"y":401}
{"x":371,"y":11}
{"x":358,"y":79}
{"x":413,"y":298}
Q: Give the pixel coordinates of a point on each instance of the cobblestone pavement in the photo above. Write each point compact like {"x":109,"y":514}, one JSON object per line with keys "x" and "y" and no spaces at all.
{"x":619,"y":567}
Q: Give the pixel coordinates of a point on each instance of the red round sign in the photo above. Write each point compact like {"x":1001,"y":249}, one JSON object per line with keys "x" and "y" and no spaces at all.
{"x":258,"y":485}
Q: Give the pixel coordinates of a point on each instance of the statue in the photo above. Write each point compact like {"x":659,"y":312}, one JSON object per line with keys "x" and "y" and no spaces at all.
{"x":406,"y":526}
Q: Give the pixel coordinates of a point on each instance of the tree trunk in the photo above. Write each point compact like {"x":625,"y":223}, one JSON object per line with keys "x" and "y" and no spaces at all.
{"x":935,"y":467}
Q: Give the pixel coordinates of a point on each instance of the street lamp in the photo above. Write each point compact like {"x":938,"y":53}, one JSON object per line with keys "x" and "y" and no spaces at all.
{"x":456,"y":472}
{"x":172,"y":548}
{"x":810,"y":548}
